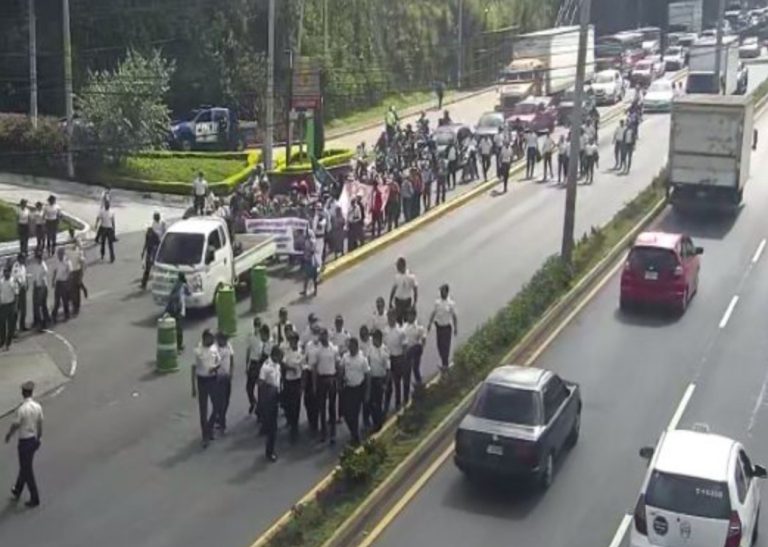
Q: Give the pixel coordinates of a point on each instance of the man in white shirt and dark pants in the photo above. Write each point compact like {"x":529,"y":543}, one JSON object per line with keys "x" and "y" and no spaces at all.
{"x":444,"y":318}
{"x":62,"y":269}
{"x":224,"y":378}
{"x":394,"y":340}
{"x":356,"y":377}
{"x":105,"y":230}
{"x":22,"y":225}
{"x":270,"y":384}
{"x":325,"y":367}
{"x":207,"y":363}
{"x":378,"y":360}
{"x":39,"y":277}
{"x":200,"y":191}
{"x":28,"y":425}
{"x":405,"y":291}
{"x":9,"y":292}
{"x":21,"y":275}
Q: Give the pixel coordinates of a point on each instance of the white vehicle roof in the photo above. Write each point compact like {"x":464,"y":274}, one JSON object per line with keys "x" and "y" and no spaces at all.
{"x":530,"y":378}
{"x":695,"y":454}
{"x":196,"y":225}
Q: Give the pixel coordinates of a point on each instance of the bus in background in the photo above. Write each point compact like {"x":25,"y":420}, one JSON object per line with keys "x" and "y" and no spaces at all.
{"x":619,"y":51}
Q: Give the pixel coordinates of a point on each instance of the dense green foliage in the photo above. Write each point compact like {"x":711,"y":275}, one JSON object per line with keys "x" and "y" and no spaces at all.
{"x":26,"y":148}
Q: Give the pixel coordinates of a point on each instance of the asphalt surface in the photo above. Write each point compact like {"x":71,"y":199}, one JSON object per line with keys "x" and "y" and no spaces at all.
{"x":633,"y":370}
{"x":121,"y":461}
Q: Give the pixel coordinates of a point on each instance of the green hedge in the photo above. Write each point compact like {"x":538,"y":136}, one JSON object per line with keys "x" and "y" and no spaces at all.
{"x":24,"y":148}
{"x":314,"y":522}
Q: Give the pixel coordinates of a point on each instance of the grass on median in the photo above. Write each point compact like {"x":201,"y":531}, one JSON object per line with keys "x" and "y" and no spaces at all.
{"x":315,"y":522}
{"x":177,"y":169}
{"x":8,"y":223}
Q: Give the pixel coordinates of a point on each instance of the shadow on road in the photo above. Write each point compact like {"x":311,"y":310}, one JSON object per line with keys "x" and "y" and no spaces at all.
{"x":647,"y":316}
{"x":495,"y":498}
{"x":705,"y":225}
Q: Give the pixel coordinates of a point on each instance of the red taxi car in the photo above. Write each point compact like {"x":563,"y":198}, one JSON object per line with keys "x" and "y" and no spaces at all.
{"x":661,"y":268}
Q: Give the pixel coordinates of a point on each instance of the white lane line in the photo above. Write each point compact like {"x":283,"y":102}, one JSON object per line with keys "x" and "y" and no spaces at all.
{"x":758,"y":252}
{"x":729,"y":311}
{"x":678,"y":415}
{"x":618,"y":538}
{"x":70,"y":348}
{"x":758,"y":404}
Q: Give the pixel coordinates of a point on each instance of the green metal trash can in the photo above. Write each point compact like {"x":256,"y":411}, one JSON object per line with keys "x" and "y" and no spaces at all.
{"x":258,"y":289}
{"x":167,"y":354}
{"x":225,"y":310}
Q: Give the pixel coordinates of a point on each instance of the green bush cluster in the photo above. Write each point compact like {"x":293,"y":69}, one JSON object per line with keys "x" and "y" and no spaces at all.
{"x":24,"y":148}
{"x":359,"y":466}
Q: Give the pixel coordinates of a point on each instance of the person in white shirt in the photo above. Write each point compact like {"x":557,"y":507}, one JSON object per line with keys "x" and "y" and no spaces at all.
{"x":378,"y":319}
{"x":20,"y":273}
{"x":28,"y":425}
{"x":204,"y":370}
{"x":279,"y":332}
{"x":618,"y":144}
{"x":405,"y":290}
{"x":415,"y":334}
{"x":592,"y":158}
{"x":531,"y":151}
{"x":52,"y":215}
{"x":270,"y":383}
{"x":394,"y":340}
{"x":379,"y":362}
{"x":224,"y":379}
{"x":547,"y":149}
{"x":486,"y":149}
{"x":259,"y":349}
{"x":325,"y":367}
{"x":62,"y":269}
{"x":158,"y":225}
{"x":105,"y":230}
{"x":39,"y":277}
{"x":339,"y":337}
{"x":9,"y":293}
{"x":505,"y":162}
{"x":445,"y":319}
{"x":452,"y":155}
{"x":199,"y":192}
{"x":294,"y":364}
{"x":22,"y":226}
{"x":310,"y":348}
{"x":37,"y":219}
{"x":563,"y":153}
{"x":77,"y":285}
{"x":355,"y":372}
{"x":106,"y":197}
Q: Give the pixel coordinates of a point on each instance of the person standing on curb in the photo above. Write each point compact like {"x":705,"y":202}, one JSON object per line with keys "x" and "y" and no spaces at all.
{"x":325,"y":367}
{"x":21,"y":275}
{"x":62,"y":270}
{"x":52,"y":215}
{"x":9,"y":293}
{"x":405,"y":290}
{"x":415,"y":334}
{"x":39,"y":274}
{"x":105,"y":230}
{"x":294,"y":361}
{"x":199,"y":192}
{"x":28,"y":425}
{"x":446,"y":322}
{"x":356,"y":373}
{"x":22,"y":227}
{"x":224,"y":378}
{"x":270,"y":382}
{"x":394,"y":340}
{"x":379,"y":361}
{"x":207,"y":362}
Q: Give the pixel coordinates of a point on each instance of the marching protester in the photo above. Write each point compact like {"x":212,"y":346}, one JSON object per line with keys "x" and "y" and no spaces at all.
{"x":176,"y":307}
{"x":204,"y":370}
{"x":62,"y":269}
{"x":378,"y":319}
{"x":270,"y":382}
{"x":148,"y":252}
{"x":340,"y":337}
{"x":618,"y":145}
{"x":415,"y":335}
{"x":592,"y":159}
{"x":628,"y":147}
{"x":394,"y":340}
{"x":21,"y":276}
{"x":441,"y":180}
{"x":504,"y":161}
{"x":294,"y":362}
{"x":105,"y":230}
{"x":380,"y":363}
{"x":531,"y":151}
{"x":22,"y":226}
{"x":224,"y":379}
{"x":563,"y":151}
{"x":39,"y":273}
{"x":446,"y":323}
{"x":377,"y":210}
{"x":325,"y":367}
{"x":9,"y":292}
{"x":547,"y":149}
{"x":52,"y":216}
{"x":427,"y":179}
{"x":356,"y":378}
{"x":37,"y":218}
{"x":76,"y":277}
{"x":405,"y":290}
{"x":406,"y":193}
{"x":310,"y":345}
{"x":28,"y":426}
{"x":310,"y":263}
{"x":486,"y":148}
{"x":259,"y":349}
{"x":282,"y":327}
{"x":199,"y":193}
{"x":393,"y":204}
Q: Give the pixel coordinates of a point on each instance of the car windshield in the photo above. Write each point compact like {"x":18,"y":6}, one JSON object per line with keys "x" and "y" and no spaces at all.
{"x":491,"y":120}
{"x":525,"y":108}
{"x":181,"y":249}
{"x":189,"y":116}
{"x":660,"y":85}
{"x":604,"y":78}
{"x":505,"y":404}
{"x":525,"y":76}
{"x":688,"y":495}
{"x":652,"y":258}
{"x":701,"y":83}
{"x":444,"y":137}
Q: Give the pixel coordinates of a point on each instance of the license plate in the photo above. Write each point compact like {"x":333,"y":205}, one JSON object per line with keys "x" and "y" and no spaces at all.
{"x":495,"y":449}
{"x":651,"y":276}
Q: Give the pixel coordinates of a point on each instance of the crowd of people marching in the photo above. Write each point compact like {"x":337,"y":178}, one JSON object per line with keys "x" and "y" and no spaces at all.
{"x":336,"y":373}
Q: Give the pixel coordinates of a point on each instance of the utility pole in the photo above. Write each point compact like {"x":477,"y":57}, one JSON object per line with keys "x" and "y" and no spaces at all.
{"x":325,"y":27}
{"x":460,"y":69}
{"x":270,"y":121}
{"x":32,"y":63}
{"x":719,"y":44}
{"x":289,"y":108}
{"x":569,"y":221}
{"x":69,"y":108}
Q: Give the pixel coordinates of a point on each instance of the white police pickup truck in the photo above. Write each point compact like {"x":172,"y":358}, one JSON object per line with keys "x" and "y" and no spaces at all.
{"x":201,"y":248}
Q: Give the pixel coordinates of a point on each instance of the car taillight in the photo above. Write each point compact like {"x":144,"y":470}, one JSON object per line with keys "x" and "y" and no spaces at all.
{"x":641,"y":524}
{"x":678,"y":271}
{"x":526,"y":453}
{"x":734,"y":531}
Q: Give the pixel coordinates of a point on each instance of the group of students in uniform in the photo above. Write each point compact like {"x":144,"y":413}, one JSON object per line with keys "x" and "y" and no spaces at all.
{"x":335,"y":374}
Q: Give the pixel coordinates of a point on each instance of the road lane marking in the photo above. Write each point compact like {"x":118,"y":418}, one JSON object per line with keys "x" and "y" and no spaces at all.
{"x":729,"y":311}
{"x":678,"y":415}
{"x":758,"y":252}
{"x":406,"y":499}
{"x":70,"y":348}
{"x":758,"y":404}
{"x":621,"y":531}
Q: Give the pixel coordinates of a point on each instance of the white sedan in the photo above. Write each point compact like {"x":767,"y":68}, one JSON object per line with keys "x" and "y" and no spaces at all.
{"x":659,"y":96}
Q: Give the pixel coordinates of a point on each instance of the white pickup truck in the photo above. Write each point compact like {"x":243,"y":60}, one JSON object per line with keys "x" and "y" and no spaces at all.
{"x":201,"y":248}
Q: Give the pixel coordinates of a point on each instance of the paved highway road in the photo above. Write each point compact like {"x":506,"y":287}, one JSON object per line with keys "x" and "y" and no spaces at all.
{"x":121,"y":461}
{"x":634,"y":371}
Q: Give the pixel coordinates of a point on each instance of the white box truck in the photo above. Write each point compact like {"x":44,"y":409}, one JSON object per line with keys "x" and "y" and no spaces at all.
{"x":201,"y":248}
{"x":709,"y":150}
{"x":544,"y":63}
{"x":686,"y":16}
{"x":701,"y":75}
